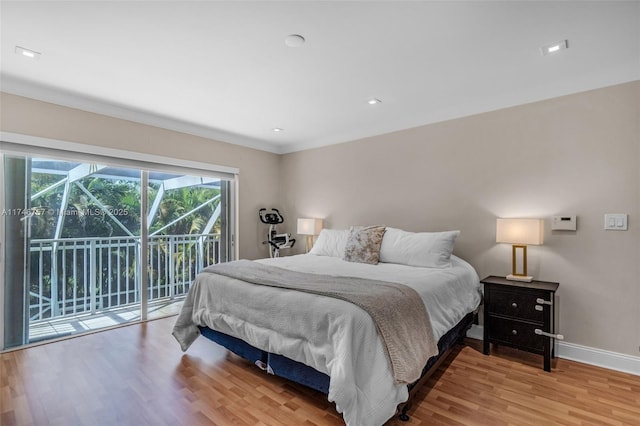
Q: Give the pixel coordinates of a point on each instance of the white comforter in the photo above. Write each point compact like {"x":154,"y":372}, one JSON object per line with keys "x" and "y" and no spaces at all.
{"x":334,"y":337}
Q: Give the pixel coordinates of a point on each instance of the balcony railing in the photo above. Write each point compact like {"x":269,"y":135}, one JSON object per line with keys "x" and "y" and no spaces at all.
{"x":86,"y":275}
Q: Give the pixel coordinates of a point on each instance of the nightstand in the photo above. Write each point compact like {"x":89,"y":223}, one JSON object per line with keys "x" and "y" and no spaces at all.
{"x":520,"y":315}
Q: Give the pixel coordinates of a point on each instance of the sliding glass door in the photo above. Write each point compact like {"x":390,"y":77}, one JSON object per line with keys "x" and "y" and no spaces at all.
{"x":74,"y":250}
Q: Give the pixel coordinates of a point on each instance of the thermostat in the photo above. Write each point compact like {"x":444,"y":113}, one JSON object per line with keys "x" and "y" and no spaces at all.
{"x":563,"y":223}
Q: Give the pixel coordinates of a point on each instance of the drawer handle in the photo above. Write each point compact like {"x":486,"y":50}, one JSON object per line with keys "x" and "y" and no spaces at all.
{"x":539,"y":308}
{"x":543,"y":302}
{"x":544,"y":333}
{"x":514,"y":305}
{"x":514,"y":332}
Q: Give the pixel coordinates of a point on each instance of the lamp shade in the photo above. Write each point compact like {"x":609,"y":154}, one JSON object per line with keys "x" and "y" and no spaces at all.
{"x":309,"y":226}
{"x":520,"y":231}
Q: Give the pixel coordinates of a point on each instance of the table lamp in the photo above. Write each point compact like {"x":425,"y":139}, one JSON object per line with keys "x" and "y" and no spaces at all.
{"x":519,"y":233}
{"x":310,"y":228}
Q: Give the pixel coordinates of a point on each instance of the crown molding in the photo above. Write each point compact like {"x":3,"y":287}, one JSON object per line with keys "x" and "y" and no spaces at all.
{"x":20,"y":87}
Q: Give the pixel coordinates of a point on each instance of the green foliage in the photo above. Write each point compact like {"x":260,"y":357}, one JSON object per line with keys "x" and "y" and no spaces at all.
{"x":114,"y":209}
{"x":178,"y":202}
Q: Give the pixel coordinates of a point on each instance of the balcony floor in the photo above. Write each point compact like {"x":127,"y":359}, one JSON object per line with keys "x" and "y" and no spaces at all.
{"x":70,"y":325}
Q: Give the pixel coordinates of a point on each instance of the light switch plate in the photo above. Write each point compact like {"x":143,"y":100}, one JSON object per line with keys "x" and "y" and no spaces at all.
{"x":615,"y":222}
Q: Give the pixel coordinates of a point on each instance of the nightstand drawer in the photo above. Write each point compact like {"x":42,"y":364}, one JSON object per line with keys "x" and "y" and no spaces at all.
{"x":517,"y":304}
{"x":515,"y":333}
{"x":512,"y":313}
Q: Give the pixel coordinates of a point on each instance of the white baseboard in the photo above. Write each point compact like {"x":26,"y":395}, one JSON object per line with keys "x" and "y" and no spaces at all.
{"x":601,"y":358}
{"x":476,"y":332}
{"x":571,"y":351}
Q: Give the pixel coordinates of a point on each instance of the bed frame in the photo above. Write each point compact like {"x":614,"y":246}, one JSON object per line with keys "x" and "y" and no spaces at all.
{"x":307,"y":376}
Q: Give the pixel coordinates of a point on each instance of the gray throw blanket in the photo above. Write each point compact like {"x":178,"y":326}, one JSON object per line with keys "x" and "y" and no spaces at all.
{"x":396,"y":309}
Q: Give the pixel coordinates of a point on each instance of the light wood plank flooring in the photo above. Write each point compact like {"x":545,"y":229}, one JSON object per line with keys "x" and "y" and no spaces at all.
{"x":137,"y":375}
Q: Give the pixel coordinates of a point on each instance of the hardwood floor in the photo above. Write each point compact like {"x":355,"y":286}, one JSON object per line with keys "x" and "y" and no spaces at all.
{"x":137,"y":375}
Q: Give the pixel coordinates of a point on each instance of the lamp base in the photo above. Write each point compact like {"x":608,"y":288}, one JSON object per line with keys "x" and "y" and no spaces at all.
{"x":521,"y":278}
{"x":309,"y":243}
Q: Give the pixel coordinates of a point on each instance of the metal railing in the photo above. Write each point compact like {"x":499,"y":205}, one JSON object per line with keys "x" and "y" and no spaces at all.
{"x":86,"y":275}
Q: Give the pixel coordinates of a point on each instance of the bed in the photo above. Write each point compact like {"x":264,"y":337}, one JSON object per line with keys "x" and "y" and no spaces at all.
{"x":328,"y":343}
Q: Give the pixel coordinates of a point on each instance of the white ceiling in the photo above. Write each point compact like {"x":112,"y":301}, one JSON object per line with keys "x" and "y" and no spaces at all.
{"x":222,"y":69}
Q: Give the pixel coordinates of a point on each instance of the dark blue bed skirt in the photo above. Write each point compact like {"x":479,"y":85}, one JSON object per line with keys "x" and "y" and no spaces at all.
{"x":278,"y":364}
{"x":305,"y":375}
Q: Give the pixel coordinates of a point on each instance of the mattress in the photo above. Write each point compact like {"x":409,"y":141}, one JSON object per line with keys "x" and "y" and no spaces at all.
{"x":334,"y":337}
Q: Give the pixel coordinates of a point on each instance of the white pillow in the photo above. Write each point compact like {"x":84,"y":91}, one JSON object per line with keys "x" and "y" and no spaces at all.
{"x":424,"y":249}
{"x":331,"y":242}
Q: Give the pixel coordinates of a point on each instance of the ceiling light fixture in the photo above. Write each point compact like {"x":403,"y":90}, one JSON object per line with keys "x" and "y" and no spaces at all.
{"x":374,"y":101}
{"x":554,"y":47}
{"x":27,"y":53}
{"x":294,"y":40}
{"x":277,"y":129}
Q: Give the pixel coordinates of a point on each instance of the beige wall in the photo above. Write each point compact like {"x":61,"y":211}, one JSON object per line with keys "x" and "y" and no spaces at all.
{"x":577,"y":154}
{"x":258,"y":170}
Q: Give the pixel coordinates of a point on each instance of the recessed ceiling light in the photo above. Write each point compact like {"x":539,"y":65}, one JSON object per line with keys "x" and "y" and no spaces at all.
{"x":294,"y":40}
{"x":27,"y":53}
{"x":374,"y":101}
{"x":277,"y":129}
{"x":554,"y":47}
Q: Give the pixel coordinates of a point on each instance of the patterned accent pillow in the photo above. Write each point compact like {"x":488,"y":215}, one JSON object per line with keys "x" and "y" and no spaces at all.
{"x":363,"y":244}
